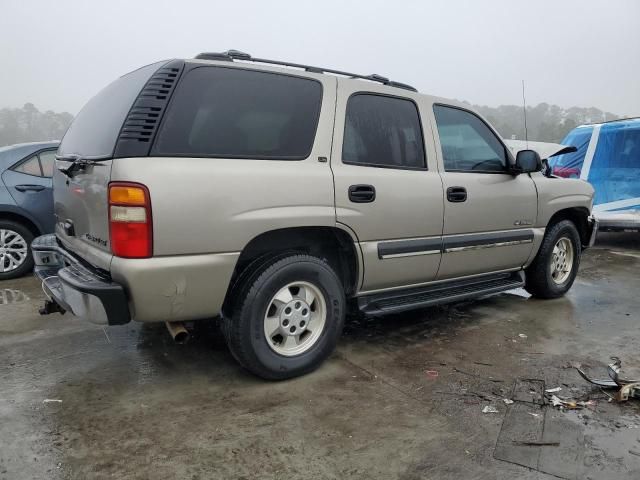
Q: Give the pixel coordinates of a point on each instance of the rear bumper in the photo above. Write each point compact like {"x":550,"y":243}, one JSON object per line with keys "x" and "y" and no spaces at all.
{"x":84,"y":291}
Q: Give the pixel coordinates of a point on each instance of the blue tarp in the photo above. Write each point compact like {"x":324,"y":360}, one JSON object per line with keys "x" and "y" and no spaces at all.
{"x":608,"y":157}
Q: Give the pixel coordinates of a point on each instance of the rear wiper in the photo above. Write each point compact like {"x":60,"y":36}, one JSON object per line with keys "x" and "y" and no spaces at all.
{"x":77,"y":163}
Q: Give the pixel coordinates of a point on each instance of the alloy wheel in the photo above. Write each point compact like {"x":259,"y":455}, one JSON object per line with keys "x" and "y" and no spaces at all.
{"x":13,"y":250}
{"x":295,"y":318}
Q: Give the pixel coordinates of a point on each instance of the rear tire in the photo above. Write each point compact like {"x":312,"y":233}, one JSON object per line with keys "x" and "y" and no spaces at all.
{"x":286,"y":317}
{"x":554,"y":269}
{"x":15,"y":250}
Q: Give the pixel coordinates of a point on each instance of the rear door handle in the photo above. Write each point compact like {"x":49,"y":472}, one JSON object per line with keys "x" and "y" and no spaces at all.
{"x":29,"y":188}
{"x":362,"y":193}
{"x":457,"y":194}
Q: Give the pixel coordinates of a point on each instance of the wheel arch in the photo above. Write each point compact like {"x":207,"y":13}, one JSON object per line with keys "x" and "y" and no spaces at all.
{"x":333,"y":244}
{"x":21,"y":217}
{"x":580,"y":218}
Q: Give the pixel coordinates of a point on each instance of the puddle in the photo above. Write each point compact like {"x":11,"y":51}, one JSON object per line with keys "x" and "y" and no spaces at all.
{"x":10,"y":296}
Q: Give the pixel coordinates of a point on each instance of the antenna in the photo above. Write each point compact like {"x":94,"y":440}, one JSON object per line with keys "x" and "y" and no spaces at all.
{"x":524,"y":108}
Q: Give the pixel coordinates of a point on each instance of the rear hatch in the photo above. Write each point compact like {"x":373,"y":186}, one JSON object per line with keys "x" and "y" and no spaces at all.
{"x":103,"y":130}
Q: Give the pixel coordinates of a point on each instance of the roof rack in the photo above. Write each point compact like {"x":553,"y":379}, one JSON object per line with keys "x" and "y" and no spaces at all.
{"x":231,"y":55}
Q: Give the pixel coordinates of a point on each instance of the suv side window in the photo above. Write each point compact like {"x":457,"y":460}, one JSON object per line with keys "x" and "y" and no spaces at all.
{"x":383,"y":131}
{"x":468,"y":144}
{"x":238,"y":113}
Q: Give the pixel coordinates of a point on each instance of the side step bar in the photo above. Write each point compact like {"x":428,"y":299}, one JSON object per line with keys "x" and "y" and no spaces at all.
{"x":446,"y":292}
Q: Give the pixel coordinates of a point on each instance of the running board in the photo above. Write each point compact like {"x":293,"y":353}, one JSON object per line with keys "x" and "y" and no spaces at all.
{"x":453,"y":291}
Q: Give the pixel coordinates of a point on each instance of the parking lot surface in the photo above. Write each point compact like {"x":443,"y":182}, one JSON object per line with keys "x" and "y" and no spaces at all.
{"x":402,"y":397}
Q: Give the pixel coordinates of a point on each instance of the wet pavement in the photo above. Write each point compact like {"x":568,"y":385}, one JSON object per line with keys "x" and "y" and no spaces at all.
{"x":401,"y":398}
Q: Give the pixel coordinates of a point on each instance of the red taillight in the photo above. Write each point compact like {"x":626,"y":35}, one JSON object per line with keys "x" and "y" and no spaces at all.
{"x":130,"y":224}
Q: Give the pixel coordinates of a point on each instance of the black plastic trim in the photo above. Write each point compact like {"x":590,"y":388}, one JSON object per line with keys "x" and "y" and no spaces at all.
{"x":479,"y":239}
{"x":384,"y":303}
{"x":231,"y":55}
{"x":141,"y":124}
{"x":83,"y":278}
{"x":399,"y":247}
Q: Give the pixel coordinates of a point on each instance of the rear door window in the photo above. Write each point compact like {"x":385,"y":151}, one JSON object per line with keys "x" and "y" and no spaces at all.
{"x":238,"y":113}
{"x":383,"y":131}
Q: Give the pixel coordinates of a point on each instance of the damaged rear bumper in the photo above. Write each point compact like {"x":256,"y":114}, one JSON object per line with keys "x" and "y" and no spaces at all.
{"x":73,"y":286}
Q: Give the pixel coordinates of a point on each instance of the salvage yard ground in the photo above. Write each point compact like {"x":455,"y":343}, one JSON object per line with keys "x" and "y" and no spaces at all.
{"x":403,"y":396}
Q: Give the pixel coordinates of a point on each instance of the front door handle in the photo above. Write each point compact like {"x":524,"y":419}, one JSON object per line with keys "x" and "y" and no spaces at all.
{"x":362,"y":193}
{"x":29,"y":188}
{"x":457,"y":194}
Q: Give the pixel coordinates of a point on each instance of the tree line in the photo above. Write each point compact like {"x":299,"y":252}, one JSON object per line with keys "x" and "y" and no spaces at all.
{"x":28,"y":124}
{"x":545,"y":123}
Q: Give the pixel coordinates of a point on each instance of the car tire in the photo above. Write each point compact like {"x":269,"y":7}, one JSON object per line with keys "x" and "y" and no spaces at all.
{"x":555,"y":267}
{"x":286,"y":317}
{"x":15,"y":241}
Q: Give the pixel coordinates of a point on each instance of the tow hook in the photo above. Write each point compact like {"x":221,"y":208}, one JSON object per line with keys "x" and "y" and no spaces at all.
{"x":51,"y":307}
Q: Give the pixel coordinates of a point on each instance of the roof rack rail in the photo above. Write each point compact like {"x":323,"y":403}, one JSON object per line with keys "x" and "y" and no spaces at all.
{"x":231,"y":55}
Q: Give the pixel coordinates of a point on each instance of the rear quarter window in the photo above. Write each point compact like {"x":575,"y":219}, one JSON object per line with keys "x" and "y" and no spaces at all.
{"x":237,"y":113}
{"x":95,"y":129}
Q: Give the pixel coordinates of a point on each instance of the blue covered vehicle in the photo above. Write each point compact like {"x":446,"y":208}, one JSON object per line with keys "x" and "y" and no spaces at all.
{"x":608,"y":157}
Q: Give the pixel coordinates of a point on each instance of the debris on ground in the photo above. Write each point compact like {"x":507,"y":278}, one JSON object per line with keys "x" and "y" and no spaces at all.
{"x":490,"y":409}
{"x":537,"y":444}
{"x":431,"y":374}
{"x":571,"y":404}
{"x":522,"y":335}
{"x":507,"y":401}
{"x":553,"y":390}
{"x":627,"y":388}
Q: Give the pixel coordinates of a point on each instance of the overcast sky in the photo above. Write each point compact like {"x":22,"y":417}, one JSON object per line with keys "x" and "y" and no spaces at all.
{"x":57,"y":54}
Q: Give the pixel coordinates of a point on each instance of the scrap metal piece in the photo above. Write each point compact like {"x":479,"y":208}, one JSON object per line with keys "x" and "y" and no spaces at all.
{"x":613,"y":369}
{"x":631,"y":390}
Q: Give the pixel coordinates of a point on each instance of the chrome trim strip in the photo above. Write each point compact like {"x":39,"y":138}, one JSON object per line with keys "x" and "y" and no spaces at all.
{"x":410,"y":254}
{"x":488,"y":245}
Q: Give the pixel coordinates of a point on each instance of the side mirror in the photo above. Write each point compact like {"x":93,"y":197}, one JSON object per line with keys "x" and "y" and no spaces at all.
{"x":527,"y":161}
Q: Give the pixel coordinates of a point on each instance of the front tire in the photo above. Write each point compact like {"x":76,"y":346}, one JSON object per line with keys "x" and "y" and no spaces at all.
{"x":15,"y":250}
{"x":286,"y":317}
{"x":554,"y":269}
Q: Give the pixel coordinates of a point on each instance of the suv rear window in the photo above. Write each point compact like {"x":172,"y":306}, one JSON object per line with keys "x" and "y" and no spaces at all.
{"x":382,"y":131}
{"x":234,"y":113}
{"x":95,"y":129}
